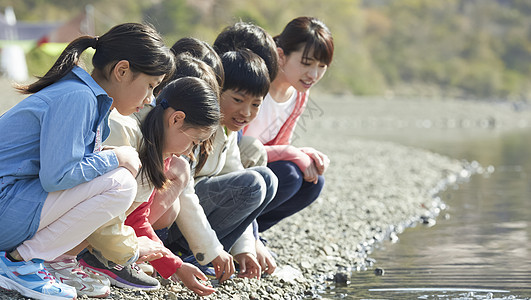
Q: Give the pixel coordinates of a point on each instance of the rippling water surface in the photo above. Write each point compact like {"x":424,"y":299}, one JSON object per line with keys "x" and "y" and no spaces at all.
{"x":480,"y":247}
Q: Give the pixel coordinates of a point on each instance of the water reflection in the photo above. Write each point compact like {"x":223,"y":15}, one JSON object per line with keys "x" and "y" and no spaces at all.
{"x":480,"y":247}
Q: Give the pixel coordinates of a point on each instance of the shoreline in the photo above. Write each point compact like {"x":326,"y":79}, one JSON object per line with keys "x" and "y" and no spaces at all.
{"x":374,"y":190}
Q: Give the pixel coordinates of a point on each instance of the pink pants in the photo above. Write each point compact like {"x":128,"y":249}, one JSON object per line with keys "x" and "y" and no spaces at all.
{"x":68,"y":217}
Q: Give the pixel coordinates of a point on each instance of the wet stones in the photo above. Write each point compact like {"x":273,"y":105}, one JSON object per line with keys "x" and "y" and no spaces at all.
{"x":379,"y":272}
{"x":341,"y":278}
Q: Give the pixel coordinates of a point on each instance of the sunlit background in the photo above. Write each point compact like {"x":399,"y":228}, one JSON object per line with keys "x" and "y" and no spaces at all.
{"x":454,"y":48}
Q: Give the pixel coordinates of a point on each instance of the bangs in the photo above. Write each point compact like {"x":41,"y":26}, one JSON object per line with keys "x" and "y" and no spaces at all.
{"x":248,"y":83}
{"x":323,"y":50}
{"x":245,"y":72}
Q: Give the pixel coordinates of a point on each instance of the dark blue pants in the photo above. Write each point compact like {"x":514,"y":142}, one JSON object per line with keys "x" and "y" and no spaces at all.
{"x":293,"y":194}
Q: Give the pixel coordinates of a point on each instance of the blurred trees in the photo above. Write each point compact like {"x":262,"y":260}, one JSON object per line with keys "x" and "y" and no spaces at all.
{"x":479,"y":48}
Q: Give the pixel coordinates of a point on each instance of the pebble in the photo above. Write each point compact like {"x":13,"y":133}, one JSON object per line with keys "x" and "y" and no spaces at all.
{"x":341,"y":278}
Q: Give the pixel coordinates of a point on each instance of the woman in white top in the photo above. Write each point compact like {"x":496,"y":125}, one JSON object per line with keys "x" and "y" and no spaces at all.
{"x":305,"y":49}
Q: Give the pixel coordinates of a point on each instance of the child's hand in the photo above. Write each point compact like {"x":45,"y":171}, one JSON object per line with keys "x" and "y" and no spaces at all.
{"x":178,"y":168}
{"x":311,"y":174}
{"x":189,"y":274}
{"x":223,"y":266}
{"x":265,"y":259}
{"x":320,"y":160}
{"x":128,"y":158}
{"x":150,"y":250}
{"x":249,"y":266}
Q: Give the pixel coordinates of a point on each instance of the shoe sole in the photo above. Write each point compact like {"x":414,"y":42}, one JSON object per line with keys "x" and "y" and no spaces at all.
{"x":9,"y":284}
{"x":119,"y":282}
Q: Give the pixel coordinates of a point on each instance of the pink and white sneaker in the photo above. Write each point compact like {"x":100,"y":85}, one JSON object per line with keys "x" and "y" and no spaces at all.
{"x":67,"y":270}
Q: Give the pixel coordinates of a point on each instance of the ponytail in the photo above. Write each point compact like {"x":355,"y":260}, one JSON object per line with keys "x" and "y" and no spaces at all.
{"x":150,"y":152}
{"x":139,"y":44}
{"x":63,"y":65}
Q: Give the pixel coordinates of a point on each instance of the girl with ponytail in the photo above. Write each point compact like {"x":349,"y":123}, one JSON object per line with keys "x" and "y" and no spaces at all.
{"x":57,"y":183}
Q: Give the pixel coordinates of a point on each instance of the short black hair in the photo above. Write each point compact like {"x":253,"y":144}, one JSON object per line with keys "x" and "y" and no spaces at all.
{"x":245,"y":71}
{"x":244,"y":35}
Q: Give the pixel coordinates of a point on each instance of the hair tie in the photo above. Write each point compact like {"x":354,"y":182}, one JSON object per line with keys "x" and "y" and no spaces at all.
{"x":95,"y":42}
{"x":164,"y":103}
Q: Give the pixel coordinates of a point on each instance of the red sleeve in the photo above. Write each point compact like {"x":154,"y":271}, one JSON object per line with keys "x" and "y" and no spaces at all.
{"x":289,"y":153}
{"x":138,"y":219}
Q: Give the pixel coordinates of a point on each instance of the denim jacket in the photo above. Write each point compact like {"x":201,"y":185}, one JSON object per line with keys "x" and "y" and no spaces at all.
{"x":48,"y":144}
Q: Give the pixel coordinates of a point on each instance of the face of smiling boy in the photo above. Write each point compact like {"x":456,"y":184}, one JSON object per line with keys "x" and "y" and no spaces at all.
{"x":238,"y":108}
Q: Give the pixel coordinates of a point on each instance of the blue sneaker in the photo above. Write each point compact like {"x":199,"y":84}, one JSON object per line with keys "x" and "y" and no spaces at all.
{"x":31,"y":279}
{"x":207,"y":269}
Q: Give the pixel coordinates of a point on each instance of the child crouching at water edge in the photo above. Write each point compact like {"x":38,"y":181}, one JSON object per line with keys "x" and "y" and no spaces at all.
{"x":305,"y":49}
{"x":242,"y":35}
{"x":187,"y":113}
{"x":230,"y":195}
{"x":149,"y":130}
{"x":55,"y":172}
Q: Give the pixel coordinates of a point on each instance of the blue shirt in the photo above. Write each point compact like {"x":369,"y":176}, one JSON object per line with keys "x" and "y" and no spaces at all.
{"x":47,"y":145}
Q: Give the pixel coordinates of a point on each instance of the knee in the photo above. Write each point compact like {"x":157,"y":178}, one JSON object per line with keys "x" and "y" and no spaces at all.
{"x":288,"y":174}
{"x":320,"y":182}
{"x":123,"y":190}
{"x":256,"y":186}
{"x":314,"y":190}
{"x":269,"y":177}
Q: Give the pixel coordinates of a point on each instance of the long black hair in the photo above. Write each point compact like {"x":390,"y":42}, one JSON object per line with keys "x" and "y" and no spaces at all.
{"x":197,"y":100}
{"x":139,"y":44}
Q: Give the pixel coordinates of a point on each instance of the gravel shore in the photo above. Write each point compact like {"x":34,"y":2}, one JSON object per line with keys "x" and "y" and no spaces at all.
{"x":374,"y":190}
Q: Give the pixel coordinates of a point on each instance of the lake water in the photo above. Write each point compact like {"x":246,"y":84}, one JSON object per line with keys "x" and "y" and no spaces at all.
{"x":480,"y":246}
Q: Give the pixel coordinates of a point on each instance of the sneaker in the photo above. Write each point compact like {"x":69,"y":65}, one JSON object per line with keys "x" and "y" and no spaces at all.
{"x":69,"y":272}
{"x":31,"y":279}
{"x":129,"y":277}
{"x":97,"y":276}
{"x":207,"y":269}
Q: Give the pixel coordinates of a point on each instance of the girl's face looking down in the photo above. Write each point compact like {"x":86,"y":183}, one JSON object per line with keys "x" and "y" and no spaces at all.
{"x":238,"y":108}
{"x":301,"y":72}
{"x":133,"y":90}
{"x":180,"y":139}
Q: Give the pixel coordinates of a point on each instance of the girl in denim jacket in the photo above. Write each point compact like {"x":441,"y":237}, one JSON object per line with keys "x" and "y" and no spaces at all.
{"x":57,"y":183}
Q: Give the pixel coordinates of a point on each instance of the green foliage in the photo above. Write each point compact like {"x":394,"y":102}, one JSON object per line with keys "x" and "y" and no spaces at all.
{"x":171,"y":17}
{"x":482,"y":48}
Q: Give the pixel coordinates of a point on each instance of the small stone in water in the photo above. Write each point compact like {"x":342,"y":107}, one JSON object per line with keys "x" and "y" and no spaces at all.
{"x":379,"y":271}
{"x":341,"y":278}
